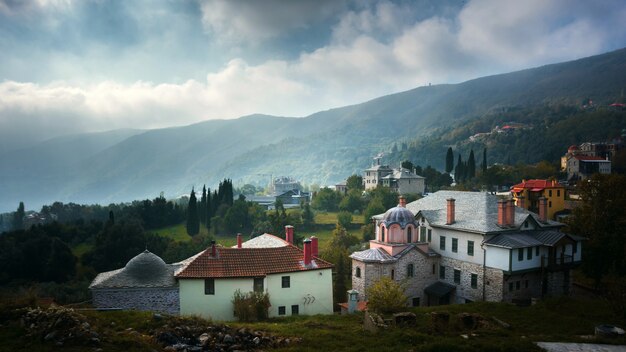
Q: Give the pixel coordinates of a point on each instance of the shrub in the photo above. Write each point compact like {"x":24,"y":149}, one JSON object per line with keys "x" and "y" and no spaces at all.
{"x":386,"y":296}
{"x":251,"y":306}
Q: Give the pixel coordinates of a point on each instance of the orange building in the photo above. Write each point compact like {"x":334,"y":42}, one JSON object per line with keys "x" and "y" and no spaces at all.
{"x":527,"y":194}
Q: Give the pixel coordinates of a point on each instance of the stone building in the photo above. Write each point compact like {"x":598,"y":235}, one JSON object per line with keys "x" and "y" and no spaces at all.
{"x":145,"y":283}
{"x":458,"y":247}
{"x":400,"y":180}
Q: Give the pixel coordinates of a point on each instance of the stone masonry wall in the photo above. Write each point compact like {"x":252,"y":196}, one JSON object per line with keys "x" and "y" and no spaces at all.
{"x":422,"y":274}
{"x":493,"y":279}
{"x":162,"y":300}
{"x":523,"y":286}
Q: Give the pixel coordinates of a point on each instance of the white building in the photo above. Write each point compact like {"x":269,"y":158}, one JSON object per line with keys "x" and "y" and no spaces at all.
{"x":404,"y":181}
{"x":457,"y":247}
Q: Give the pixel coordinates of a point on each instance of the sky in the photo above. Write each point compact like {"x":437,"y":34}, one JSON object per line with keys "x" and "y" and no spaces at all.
{"x":70,"y":66}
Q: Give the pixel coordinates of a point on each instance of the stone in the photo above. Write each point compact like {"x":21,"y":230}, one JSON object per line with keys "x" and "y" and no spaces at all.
{"x":204,"y":338}
{"x":228,"y":339}
{"x":405,"y":319}
{"x":50,"y":336}
{"x":256,"y":340}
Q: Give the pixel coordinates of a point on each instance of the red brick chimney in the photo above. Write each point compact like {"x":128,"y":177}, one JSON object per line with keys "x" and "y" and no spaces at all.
{"x":510,"y":218}
{"x":543,"y":209}
{"x":307,"y":252}
{"x":238,"y":240}
{"x":402,"y":201}
{"x":314,"y":249}
{"x":213,"y":249}
{"x":450,"y":215}
{"x":520,"y":202}
{"x":289,"y":233}
{"x":502,"y":212}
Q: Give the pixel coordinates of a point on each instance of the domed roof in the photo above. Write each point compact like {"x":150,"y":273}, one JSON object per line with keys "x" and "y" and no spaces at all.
{"x":399,"y":215}
{"x":146,"y":265}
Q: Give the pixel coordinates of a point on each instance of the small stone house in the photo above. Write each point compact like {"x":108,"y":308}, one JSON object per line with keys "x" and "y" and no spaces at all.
{"x":458,"y":247}
{"x":145,"y":283}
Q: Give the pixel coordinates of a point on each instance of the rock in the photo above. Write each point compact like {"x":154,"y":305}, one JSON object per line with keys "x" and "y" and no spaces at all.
{"x":204,"y":338}
{"x":85,"y":325}
{"x":256,"y":340}
{"x":157,"y":316}
{"x":50,"y":336}
{"x":228,"y":339}
{"x":405,"y":319}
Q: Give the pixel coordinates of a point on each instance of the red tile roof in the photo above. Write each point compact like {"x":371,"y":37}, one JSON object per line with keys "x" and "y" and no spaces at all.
{"x":249,"y":262}
{"x":536,"y":185}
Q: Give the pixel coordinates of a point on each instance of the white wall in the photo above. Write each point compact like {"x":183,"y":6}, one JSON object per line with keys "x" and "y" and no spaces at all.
{"x":304,"y":286}
{"x":533,"y":263}
{"x":462,"y":238}
{"x":497,"y":257}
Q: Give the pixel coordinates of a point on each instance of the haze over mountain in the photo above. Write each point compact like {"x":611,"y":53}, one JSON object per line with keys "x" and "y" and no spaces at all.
{"x":324,"y":147}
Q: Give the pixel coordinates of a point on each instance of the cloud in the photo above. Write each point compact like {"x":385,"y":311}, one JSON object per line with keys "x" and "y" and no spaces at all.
{"x":252,"y":21}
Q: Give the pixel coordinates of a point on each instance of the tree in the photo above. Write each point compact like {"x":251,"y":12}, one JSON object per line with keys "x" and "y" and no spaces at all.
{"x":208,"y":210}
{"x":601,"y":219}
{"x":202,"y":209}
{"x":326,"y":199}
{"x":18,"y":217}
{"x":407,"y":165}
{"x":308,"y":218}
{"x":193,"y":221}
{"x":471,"y":165}
{"x":484,"y":165}
{"x":458,"y":170}
{"x":385,"y":296}
{"x":344,"y":218}
{"x":373,"y":208}
{"x":352,"y":201}
{"x":449,"y":160}
{"x":354,"y":182}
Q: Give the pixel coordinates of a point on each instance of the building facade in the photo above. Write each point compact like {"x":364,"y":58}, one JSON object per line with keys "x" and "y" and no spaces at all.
{"x":591,"y":158}
{"x":528,"y":193}
{"x":469,"y":247}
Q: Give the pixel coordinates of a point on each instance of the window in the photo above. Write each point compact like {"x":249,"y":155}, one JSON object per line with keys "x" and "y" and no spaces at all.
{"x":455,"y":245}
{"x":517,"y":285}
{"x":549,"y":193}
{"x":422,"y":234}
{"x":430,"y":235}
{"x":525,"y":224}
{"x":550,"y":204}
{"x":409,"y":235}
{"x":442,"y":243}
{"x":258,"y":284}
{"x":575,"y":247}
{"x":409,"y":270}
{"x":442,"y":272}
{"x":520,"y":254}
{"x":295,"y":309}
{"x":357,"y":272}
{"x":393,"y":274}
{"x":209,"y":286}
{"x":382,"y":234}
{"x":474,"y":280}
{"x":286,"y":281}
{"x":470,"y":247}
{"x":529,"y":253}
{"x":281,"y":310}
{"x":416,"y":301}
{"x":457,"y":276}
{"x":558,"y":192}
{"x":537,"y":251}
{"x":433,"y":269}
{"x":510,"y":286}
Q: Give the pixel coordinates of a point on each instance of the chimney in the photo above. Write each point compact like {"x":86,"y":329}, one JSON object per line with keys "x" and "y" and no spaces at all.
{"x":520,"y":202}
{"x":238,"y":240}
{"x":502,"y":212}
{"x":213,"y":249}
{"x":307,"y":252}
{"x":402,"y":202}
{"x":450,"y":217}
{"x":353,"y":298}
{"x":289,"y":234}
{"x":314,"y":251}
{"x":510,"y":218}
{"x":543,"y":209}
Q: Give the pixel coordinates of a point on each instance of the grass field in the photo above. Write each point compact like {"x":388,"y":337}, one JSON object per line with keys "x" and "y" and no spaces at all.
{"x":558,"y":319}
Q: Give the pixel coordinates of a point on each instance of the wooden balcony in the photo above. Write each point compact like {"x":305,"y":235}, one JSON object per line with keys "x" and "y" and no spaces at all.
{"x":556,"y":263}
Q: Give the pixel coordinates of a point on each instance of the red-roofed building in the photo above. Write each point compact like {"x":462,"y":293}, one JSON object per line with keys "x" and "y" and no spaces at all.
{"x":527,"y":193}
{"x":298,"y":282}
{"x":590,"y":158}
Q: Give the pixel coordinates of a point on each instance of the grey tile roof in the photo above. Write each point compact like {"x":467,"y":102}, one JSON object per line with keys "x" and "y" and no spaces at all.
{"x":474,"y":211}
{"x":264,"y":241}
{"x":523,"y":239}
{"x":377,"y":255}
{"x":142,"y":271}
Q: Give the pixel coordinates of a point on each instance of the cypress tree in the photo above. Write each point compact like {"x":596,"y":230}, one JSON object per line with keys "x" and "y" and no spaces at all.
{"x":18,"y":217}
{"x":202,"y":209}
{"x":471,"y":165}
{"x":207,"y":210}
{"x":193,"y":222}
{"x":458,"y":170}
{"x":449,"y":160}
{"x":484,"y":160}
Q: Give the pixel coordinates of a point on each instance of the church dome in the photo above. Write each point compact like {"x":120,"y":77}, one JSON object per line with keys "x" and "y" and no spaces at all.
{"x":146,"y":265}
{"x":399,"y":215}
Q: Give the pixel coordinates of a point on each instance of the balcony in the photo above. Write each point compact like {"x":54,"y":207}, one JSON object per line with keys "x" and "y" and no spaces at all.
{"x":556,"y":263}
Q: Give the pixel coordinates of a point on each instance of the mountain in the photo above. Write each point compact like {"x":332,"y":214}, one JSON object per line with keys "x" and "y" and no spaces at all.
{"x":324,"y":147}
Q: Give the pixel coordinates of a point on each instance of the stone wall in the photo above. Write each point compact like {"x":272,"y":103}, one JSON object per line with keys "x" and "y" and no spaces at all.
{"x":522,"y":286}
{"x":163,"y":300}
{"x":422,"y":274}
{"x":493,"y":281}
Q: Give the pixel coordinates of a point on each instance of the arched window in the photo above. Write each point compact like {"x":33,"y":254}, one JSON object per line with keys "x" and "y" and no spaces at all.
{"x":409,"y":270}
{"x":358,"y":272}
{"x":409,"y":234}
{"x":393,"y":274}
{"x":382,"y":234}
